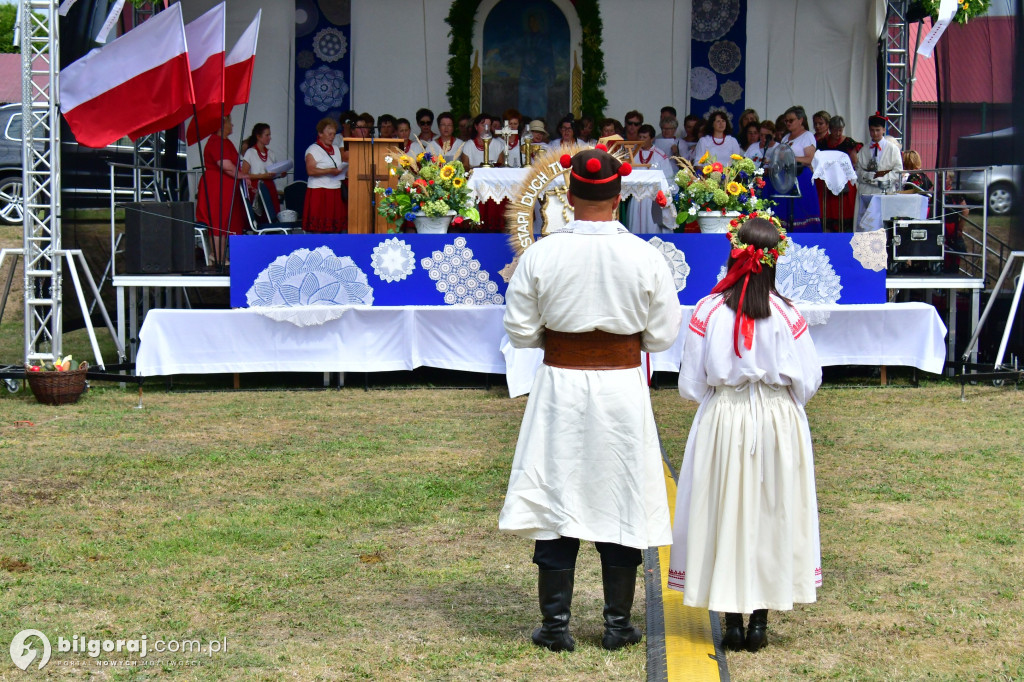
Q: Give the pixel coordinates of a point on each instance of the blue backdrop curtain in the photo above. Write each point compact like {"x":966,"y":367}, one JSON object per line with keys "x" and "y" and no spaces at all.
{"x":718,"y":48}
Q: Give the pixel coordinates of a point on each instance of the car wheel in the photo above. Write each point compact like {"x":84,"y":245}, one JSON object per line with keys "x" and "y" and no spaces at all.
{"x":1000,"y":199}
{"x":11,"y":199}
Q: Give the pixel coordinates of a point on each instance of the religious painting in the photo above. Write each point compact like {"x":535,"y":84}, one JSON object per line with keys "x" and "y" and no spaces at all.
{"x":526,"y":60}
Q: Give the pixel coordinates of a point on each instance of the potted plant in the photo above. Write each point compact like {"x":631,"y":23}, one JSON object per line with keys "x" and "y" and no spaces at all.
{"x":56,"y":383}
{"x":431,"y":192}
{"x":712,"y":194}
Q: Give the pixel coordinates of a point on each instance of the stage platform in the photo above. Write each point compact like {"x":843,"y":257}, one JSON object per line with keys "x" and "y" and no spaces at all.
{"x":472,"y":338}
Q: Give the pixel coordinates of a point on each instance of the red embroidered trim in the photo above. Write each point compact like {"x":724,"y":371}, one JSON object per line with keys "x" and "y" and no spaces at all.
{"x":700,"y":326}
{"x":676,"y":578}
{"x":796,"y":327}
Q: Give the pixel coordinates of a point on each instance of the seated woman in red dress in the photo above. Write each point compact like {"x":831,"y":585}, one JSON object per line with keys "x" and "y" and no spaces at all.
{"x":325,"y":210}
{"x":218,"y":201}
{"x":837,"y":211}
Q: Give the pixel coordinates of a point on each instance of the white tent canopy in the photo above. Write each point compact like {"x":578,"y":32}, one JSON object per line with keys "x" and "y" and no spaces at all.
{"x":816,"y":53}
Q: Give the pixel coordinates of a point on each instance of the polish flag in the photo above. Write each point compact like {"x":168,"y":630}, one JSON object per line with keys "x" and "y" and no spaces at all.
{"x":136,"y":85}
{"x":205,"y":38}
{"x":238,"y":68}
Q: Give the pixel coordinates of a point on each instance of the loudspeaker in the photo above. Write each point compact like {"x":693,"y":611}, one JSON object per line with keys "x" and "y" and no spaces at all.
{"x":147,"y":238}
{"x":159,"y":237}
{"x":183,"y":236}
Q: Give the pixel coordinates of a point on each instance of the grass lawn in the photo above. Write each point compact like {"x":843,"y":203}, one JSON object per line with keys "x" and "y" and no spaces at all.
{"x":351,"y":535}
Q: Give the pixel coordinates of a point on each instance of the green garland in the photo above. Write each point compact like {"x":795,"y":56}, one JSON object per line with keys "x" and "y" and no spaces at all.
{"x":966,"y":9}
{"x":462,"y":20}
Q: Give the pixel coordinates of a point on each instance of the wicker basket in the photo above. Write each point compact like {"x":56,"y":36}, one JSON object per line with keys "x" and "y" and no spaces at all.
{"x":58,"y":388}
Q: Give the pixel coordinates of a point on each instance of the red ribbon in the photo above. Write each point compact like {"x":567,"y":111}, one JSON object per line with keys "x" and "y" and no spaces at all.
{"x":745,"y":261}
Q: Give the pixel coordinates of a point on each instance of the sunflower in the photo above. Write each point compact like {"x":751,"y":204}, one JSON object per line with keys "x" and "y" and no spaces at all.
{"x":705,"y":158}
{"x":447,"y":172}
{"x":406,"y":161}
{"x":707,"y":169}
{"x":734,"y":188}
{"x":458,"y":182}
{"x":735,"y":157}
{"x":419,"y":157}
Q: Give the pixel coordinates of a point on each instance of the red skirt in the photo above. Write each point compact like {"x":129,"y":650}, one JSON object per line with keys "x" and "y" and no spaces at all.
{"x":324,"y":211}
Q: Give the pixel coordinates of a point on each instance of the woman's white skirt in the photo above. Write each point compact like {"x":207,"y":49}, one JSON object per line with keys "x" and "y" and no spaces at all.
{"x":746,"y":535}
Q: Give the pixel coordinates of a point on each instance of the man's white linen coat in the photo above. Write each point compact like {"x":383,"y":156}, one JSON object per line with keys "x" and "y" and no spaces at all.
{"x":588,"y":461}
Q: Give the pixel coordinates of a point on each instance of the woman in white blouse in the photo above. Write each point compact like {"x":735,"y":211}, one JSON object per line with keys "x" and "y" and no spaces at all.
{"x":325,"y":210}
{"x":805,"y":213}
{"x":718,"y":141}
{"x":255,"y":161}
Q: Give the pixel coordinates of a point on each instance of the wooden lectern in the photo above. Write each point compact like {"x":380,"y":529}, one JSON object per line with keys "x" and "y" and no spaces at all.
{"x":366,"y":167}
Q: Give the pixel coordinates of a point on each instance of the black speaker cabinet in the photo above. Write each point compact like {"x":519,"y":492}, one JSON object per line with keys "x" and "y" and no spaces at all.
{"x":159,"y":237}
{"x":918,"y":240}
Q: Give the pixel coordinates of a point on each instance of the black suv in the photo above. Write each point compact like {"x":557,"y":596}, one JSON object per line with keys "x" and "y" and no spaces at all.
{"x":85,"y":172}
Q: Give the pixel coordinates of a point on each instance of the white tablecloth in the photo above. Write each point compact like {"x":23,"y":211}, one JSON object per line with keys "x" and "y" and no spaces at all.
{"x":471,"y":338}
{"x":498,"y":184}
{"x":876,"y":208}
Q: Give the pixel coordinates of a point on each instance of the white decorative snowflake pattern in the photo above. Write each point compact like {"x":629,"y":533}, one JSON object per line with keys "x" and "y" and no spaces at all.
{"x":676,"y":260}
{"x":324,"y":88}
{"x":869,"y":249}
{"x":393,"y":260}
{"x":703,"y":82}
{"x":458,"y":276}
{"x":712,"y":19}
{"x":731,"y":91}
{"x":306,"y":277}
{"x":805,"y":275}
{"x":725,"y":56}
{"x":330,"y":44}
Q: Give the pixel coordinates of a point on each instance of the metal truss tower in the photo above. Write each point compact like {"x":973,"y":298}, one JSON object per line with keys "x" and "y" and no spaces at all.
{"x":897,"y":68}
{"x":40,"y":62}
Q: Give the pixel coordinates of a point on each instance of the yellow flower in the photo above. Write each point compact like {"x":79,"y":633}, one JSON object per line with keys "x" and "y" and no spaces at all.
{"x":419,"y":157}
{"x":705,"y":158}
{"x":707,"y":169}
{"x":736,"y":157}
{"x":394,"y":172}
{"x":406,"y":161}
{"x":458,"y":182}
{"x":734,"y":188}
{"x":447,"y":172}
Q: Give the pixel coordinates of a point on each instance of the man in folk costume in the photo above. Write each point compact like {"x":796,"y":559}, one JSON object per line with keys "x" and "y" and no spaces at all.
{"x":588,"y":462}
{"x":880,"y":164}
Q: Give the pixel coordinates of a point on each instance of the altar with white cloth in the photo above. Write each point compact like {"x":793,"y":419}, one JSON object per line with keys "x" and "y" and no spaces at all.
{"x":498,"y":184}
{"x":472,"y":338}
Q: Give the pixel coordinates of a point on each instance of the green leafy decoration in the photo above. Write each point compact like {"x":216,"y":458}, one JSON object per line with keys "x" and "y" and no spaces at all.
{"x":462,"y":20}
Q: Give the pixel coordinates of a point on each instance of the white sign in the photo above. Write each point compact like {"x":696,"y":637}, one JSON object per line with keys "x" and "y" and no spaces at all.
{"x":947,"y":8}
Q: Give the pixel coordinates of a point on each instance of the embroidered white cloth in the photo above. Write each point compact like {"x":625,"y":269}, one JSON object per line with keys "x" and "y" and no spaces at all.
{"x":835,"y":168}
{"x":498,"y":184}
{"x":875,"y":209}
{"x":302,"y":316}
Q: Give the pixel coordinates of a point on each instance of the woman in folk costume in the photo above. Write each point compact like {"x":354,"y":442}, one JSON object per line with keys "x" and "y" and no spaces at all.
{"x":588,"y":463}
{"x":745,"y":537}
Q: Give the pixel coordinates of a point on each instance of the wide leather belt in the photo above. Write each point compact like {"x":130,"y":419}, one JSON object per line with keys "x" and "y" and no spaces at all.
{"x":591,"y":350}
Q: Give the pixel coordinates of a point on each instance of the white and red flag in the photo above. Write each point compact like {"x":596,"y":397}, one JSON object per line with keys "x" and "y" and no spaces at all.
{"x":238,"y":68}
{"x":205,"y":37}
{"x":137,"y":85}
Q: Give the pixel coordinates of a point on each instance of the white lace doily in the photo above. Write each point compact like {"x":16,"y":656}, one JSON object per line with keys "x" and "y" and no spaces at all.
{"x":330,"y":44}
{"x":393,"y":260}
{"x":703,"y":82}
{"x":805,"y":275}
{"x":731,"y":91}
{"x":306,"y":277}
{"x":676,"y":260}
{"x":724,"y":56}
{"x":869,"y":249}
{"x":834,"y":168}
{"x":323,"y":88}
{"x":302,"y":316}
{"x":712,"y":19}
{"x":458,"y":276}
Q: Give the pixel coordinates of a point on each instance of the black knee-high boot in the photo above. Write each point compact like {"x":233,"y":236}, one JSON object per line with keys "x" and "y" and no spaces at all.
{"x":757,"y":630}
{"x":619,"y":588}
{"x":555,"y":591}
{"x":733,"y":638}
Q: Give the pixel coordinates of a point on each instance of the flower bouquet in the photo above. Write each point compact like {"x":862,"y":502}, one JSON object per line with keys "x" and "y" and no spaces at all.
{"x":709,"y":187}
{"x":427,"y":186}
{"x":56,"y":383}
